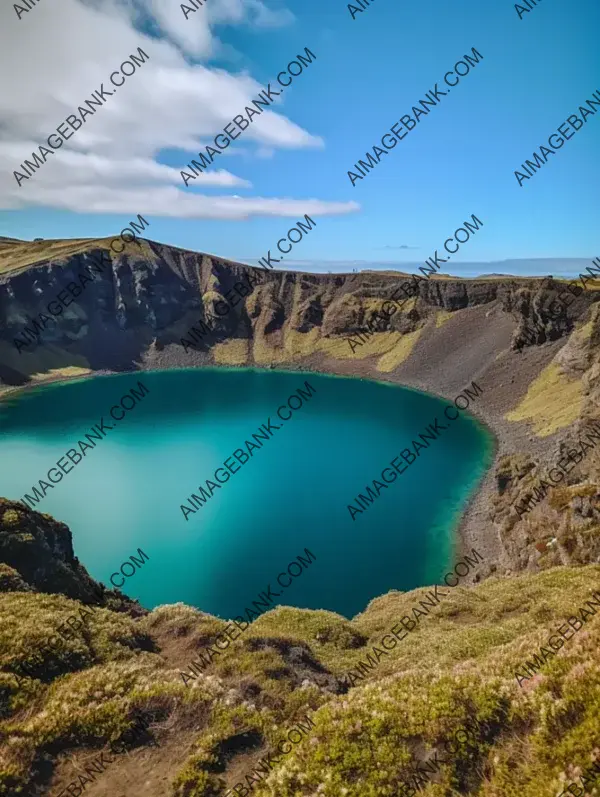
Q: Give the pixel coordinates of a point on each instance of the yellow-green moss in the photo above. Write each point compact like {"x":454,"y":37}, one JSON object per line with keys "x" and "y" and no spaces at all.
{"x":441,"y":318}
{"x":455,"y":671}
{"x":10,"y":518}
{"x":231,"y":352}
{"x":552,"y":402}
{"x":375,"y":345}
{"x":399,"y":353}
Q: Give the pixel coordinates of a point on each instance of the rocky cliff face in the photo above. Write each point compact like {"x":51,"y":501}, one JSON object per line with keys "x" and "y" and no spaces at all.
{"x":152,"y":294}
{"x":149,"y":297}
{"x":36,"y":555}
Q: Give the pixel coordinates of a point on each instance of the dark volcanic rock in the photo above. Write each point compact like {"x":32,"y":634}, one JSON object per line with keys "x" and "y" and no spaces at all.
{"x":39,"y":552}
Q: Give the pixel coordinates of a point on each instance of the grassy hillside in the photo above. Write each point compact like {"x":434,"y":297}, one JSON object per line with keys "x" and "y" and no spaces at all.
{"x":447,"y":692}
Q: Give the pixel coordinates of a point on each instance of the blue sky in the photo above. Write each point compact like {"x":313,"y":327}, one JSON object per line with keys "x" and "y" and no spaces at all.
{"x":369,"y":71}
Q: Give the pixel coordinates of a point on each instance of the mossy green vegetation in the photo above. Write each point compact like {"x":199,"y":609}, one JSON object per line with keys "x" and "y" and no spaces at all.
{"x":456,"y":671}
{"x":552,"y":402}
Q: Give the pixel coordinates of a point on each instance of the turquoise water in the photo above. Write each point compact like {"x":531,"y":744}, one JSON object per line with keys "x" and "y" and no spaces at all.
{"x":293,"y":494}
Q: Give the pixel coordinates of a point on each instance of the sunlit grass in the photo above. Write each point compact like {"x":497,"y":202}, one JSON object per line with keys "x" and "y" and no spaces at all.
{"x":399,"y":353}
{"x":231,"y":352}
{"x":552,"y":402}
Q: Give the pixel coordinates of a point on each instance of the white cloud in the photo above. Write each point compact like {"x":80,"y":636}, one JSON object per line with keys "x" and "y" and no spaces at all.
{"x":57,"y":55}
{"x":90,"y":169}
{"x":191,"y":29}
{"x":169,"y":201}
{"x":193,"y":34}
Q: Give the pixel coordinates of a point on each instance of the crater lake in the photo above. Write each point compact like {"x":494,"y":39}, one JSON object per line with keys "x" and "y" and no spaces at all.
{"x":291,"y":494}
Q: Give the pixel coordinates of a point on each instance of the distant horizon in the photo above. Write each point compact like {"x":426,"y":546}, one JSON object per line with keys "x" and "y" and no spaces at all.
{"x":565,"y":267}
{"x":511,"y":267}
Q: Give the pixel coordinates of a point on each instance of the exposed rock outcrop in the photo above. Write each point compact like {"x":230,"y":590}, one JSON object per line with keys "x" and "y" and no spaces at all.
{"x":37,"y":553}
{"x":152,"y":294}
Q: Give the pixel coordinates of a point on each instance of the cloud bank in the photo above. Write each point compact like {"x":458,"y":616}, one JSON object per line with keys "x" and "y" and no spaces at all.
{"x":57,"y":54}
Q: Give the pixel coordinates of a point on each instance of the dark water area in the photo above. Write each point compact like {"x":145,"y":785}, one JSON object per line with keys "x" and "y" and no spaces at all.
{"x":291,"y":494}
